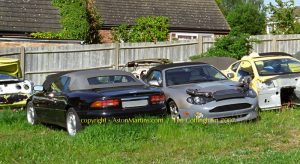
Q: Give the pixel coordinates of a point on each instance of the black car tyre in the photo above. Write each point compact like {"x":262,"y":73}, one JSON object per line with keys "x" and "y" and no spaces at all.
{"x":73,"y":122}
{"x":173,"y":109}
{"x":31,"y":114}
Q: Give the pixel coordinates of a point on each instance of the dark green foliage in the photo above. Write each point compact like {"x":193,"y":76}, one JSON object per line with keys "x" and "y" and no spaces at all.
{"x":73,"y":18}
{"x":235,"y":45}
{"x":121,"y":33}
{"x":77,"y":21}
{"x":146,"y":29}
{"x":248,"y":19}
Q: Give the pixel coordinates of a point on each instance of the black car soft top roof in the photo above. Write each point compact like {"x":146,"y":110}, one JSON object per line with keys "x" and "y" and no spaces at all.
{"x":79,"y":79}
{"x":166,"y":66}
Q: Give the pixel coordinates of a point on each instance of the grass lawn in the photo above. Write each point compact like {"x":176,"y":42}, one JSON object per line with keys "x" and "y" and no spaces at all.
{"x":273,"y":139}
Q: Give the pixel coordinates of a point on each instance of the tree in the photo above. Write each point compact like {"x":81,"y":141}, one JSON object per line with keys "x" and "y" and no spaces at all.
{"x":248,"y":19}
{"x":283,"y":17}
{"x":228,"y":5}
{"x":146,"y":29}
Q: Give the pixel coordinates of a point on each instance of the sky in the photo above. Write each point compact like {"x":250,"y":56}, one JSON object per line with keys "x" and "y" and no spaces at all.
{"x":297,"y":2}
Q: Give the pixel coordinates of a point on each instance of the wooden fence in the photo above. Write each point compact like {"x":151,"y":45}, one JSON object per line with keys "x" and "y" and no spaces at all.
{"x":38,"y":62}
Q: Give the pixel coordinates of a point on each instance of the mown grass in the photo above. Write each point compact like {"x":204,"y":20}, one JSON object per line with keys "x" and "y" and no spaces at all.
{"x":273,"y":139}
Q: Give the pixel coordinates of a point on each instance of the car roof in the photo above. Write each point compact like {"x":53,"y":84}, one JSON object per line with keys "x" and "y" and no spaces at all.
{"x":174,"y":65}
{"x":267,"y":56}
{"x":79,"y":78}
{"x":219,"y":62}
{"x":274,"y":54}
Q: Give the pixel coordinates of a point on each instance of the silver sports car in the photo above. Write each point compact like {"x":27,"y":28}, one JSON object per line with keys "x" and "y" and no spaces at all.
{"x":199,"y":90}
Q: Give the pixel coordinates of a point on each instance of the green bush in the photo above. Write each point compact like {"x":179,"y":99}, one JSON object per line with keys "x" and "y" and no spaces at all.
{"x":77,"y":21}
{"x":146,"y":29}
{"x":121,"y":33}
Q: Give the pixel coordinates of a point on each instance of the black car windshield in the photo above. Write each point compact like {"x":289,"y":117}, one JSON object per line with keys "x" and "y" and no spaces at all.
{"x":7,"y":77}
{"x":277,"y":66}
{"x":193,"y":74}
{"x":110,"y":79}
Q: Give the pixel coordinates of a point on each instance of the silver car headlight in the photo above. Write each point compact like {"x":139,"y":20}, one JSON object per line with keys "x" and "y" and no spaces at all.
{"x":266,"y":84}
{"x":250,"y":93}
{"x":199,"y":100}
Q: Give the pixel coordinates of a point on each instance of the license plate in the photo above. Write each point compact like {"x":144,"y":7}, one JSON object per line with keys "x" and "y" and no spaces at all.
{"x":137,"y":103}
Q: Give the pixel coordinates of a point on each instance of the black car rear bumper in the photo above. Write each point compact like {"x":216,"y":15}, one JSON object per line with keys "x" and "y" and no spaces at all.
{"x":123,"y":113}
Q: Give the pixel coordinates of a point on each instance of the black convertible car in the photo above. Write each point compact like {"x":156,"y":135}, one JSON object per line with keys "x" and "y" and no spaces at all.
{"x":65,"y":99}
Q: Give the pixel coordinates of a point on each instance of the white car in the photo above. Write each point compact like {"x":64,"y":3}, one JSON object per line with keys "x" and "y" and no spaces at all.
{"x":13,"y":90}
{"x":141,"y":67}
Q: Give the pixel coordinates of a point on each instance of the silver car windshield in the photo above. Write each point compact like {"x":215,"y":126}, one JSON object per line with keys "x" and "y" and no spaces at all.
{"x":277,"y":67}
{"x":193,"y":74}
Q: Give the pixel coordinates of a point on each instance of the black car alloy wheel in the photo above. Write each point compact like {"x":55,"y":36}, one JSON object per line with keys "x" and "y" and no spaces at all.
{"x":31,"y":114}
{"x":73,"y":122}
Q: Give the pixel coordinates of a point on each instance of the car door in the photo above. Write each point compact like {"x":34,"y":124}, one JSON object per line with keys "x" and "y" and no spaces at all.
{"x":58,"y":100}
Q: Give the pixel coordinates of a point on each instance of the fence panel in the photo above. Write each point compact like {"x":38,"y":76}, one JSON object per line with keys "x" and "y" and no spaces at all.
{"x":38,"y":62}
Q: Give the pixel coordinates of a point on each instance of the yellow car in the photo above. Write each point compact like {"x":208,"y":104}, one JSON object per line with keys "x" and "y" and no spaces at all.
{"x":275,"y":77}
{"x":13,"y":90}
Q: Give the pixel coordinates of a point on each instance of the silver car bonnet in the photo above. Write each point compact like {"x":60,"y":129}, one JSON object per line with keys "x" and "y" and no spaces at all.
{"x":213,"y":86}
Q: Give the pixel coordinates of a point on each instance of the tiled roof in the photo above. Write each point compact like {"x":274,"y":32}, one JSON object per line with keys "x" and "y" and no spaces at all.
{"x":185,"y":15}
{"x":28,"y":16}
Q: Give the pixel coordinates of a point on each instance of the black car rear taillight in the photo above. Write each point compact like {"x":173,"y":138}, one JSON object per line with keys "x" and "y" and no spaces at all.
{"x":105,"y":103}
{"x":157,"y":99}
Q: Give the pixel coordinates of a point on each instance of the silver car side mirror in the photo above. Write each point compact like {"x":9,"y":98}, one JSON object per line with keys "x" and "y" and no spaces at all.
{"x":230,"y":75}
{"x":154,"y":83}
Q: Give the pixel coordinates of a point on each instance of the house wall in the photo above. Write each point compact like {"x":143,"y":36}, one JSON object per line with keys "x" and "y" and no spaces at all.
{"x":106,"y":36}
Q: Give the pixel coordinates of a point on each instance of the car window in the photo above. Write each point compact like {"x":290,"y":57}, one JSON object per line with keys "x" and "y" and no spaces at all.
{"x":110,"y":79}
{"x":277,"y":66}
{"x":62,"y":84}
{"x":235,"y":66}
{"x":213,"y":72}
{"x":155,"y":75}
{"x":193,"y":74}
